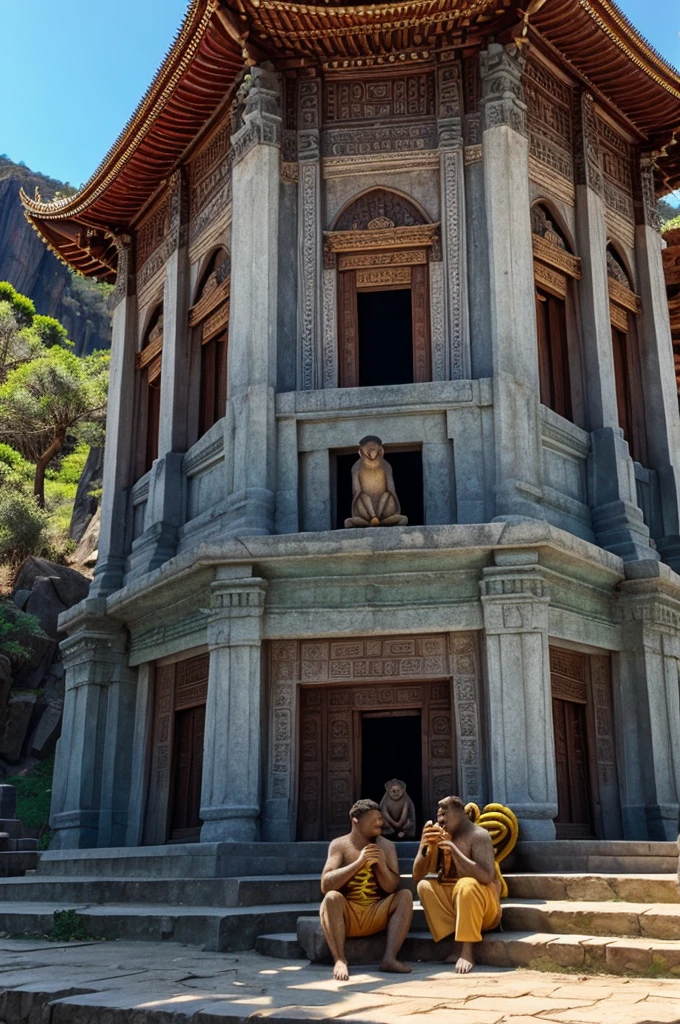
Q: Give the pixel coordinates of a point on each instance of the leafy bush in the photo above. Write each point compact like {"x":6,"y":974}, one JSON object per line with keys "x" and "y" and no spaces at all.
{"x":15,"y":625}
{"x":22,"y":307}
{"x":68,"y":927}
{"x":34,"y":793}
{"x":22,"y":525}
{"x":50,"y":331}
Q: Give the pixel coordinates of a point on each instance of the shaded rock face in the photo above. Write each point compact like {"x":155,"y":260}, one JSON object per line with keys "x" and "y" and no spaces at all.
{"x":27,"y":263}
{"x":85,"y":506}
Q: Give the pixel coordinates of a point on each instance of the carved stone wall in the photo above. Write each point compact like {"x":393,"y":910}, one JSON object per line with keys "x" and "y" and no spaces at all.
{"x":210,"y":180}
{"x":550,"y":122}
{"x":396,"y":96}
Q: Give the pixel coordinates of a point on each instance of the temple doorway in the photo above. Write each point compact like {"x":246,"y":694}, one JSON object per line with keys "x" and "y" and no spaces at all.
{"x":385,"y":337}
{"x":354,"y":738}
{"x":392,"y":747}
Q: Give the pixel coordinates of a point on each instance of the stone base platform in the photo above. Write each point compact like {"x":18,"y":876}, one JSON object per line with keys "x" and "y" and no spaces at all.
{"x":149,"y":983}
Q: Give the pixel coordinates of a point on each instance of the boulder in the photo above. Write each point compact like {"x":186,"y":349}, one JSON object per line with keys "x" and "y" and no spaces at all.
{"x":32,"y":673}
{"x":69,"y":585}
{"x":84,"y":505}
{"x":44,"y":603}
{"x":87,"y":548}
{"x":19,"y":714}
{"x":47,"y":732}
{"x":20,"y":597}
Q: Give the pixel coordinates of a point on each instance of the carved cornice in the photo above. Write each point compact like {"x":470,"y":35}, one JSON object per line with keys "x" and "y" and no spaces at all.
{"x":150,"y":351}
{"x":556,"y":257}
{"x":413,"y":237}
{"x":622,"y":296}
{"x":551,"y":279}
{"x":502,"y":94}
{"x":208,"y":302}
{"x":398,"y":258}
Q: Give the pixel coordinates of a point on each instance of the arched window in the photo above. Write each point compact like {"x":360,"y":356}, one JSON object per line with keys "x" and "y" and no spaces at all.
{"x":149,"y":366}
{"x":210,"y":318}
{"x":554,"y":270}
{"x":381,"y":245}
{"x":622,"y":303}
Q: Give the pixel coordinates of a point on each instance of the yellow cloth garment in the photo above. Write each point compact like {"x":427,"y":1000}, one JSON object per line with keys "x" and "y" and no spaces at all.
{"x":366,"y":908}
{"x":465,"y":907}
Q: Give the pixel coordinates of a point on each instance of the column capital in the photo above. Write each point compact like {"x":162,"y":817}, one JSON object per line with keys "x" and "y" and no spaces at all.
{"x":645,"y":196}
{"x":449,"y":106}
{"x":236,"y":610}
{"x":515,"y":598}
{"x":126,"y":282}
{"x":257,"y":118}
{"x":502,"y":93}
{"x":309,"y":118}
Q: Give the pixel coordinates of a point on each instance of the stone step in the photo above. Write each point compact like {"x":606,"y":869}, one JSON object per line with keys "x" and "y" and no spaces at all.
{"x":532,"y":950}
{"x":647,"y":920}
{"x":591,"y":856}
{"x":210,"y":928}
{"x":205,"y":892}
{"x":634,"y":888}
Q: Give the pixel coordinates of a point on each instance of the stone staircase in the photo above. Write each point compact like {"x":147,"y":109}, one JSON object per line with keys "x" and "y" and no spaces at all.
{"x":231,"y":897}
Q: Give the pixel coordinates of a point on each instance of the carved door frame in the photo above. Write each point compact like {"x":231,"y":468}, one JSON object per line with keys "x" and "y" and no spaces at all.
{"x":382,"y":259}
{"x":453,"y":659}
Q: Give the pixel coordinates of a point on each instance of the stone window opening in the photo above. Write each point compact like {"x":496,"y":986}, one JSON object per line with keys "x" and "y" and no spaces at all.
{"x":555,"y":270}
{"x":380,"y":246}
{"x":624,"y":305}
{"x":149,"y":363}
{"x":209,"y":320}
{"x":406,"y":461}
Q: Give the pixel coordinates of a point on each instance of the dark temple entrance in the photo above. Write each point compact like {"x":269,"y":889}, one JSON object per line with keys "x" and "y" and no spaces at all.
{"x":354,"y":738}
{"x":391,"y":747}
{"x":385,"y":338}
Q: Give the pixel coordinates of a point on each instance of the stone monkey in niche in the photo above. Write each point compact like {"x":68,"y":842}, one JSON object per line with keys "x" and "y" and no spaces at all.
{"x":374,"y":501}
{"x":398,"y":810}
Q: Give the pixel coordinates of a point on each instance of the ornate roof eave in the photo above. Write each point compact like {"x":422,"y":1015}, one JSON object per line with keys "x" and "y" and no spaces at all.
{"x":204,"y":61}
{"x":599,"y":42}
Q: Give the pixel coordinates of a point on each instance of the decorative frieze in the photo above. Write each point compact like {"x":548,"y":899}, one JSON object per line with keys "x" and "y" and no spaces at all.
{"x":210,"y":169}
{"x":549,"y":117}
{"x":330,"y":327}
{"x":616,"y":157}
{"x":453,"y":238}
{"x":466,"y":672}
{"x":502,"y":94}
{"x":587,"y":163}
{"x":364,"y":142}
{"x":372,"y":98}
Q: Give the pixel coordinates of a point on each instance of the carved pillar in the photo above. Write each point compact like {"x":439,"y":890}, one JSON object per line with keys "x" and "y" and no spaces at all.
{"x":513,"y":315}
{"x":521,"y":743}
{"x":647,"y":701}
{"x":278,"y":824}
{"x":617,"y":521}
{"x":119,"y":450}
{"x":165,"y":506}
{"x":251,"y":421}
{"x":230,"y":794}
{"x":309,"y":234}
{"x":92,"y":765}
{"x":456,"y":361}
{"x":657,"y":366}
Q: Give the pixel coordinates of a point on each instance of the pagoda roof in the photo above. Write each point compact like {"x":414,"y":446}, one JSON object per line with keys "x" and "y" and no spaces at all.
{"x":218,"y":37}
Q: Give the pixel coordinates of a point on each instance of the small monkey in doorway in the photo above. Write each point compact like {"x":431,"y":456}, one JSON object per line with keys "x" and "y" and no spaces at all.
{"x":398,"y":810}
{"x":374,"y":500}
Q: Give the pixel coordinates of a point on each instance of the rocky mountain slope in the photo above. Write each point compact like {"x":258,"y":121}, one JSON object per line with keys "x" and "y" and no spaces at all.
{"x":81,"y":305}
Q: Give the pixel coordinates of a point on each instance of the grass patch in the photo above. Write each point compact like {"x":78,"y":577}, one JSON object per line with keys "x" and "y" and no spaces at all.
{"x":68,"y":927}
{"x":34,"y":794}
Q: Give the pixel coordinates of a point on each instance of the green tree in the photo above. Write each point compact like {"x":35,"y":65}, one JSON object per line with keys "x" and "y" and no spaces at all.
{"x":51,"y":400}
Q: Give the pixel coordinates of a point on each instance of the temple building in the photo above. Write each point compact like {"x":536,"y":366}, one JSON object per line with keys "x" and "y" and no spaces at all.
{"x":433,"y":222}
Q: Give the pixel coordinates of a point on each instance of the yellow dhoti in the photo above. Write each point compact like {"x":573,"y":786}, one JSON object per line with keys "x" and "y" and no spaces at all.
{"x":366,"y":918}
{"x":465,"y":907}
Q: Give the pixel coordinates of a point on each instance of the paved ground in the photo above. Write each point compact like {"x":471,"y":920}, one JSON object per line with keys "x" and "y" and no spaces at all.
{"x":149,"y":983}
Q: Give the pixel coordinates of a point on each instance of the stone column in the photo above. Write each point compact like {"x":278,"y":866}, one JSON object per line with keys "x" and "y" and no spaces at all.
{"x":454,"y":362}
{"x":230,"y":795}
{"x":520,"y":734}
{"x":505,"y":149}
{"x":617,"y":521}
{"x":657,"y":366}
{"x":310,"y":372}
{"x":165,"y":506}
{"x":92,"y":764}
{"x":251,"y":453}
{"x":120,"y":439}
{"x":647,"y":702}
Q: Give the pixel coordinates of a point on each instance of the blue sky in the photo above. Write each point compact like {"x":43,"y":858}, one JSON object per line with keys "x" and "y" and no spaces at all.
{"x":71,"y":74}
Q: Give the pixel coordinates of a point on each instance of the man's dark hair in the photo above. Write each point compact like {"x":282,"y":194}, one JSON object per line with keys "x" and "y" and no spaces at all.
{"x":452,"y":801}
{"x":370,"y":437}
{"x":362,"y":807}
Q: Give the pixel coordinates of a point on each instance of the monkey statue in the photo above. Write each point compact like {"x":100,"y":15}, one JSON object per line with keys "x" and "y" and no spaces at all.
{"x":374,"y":502}
{"x":398,"y":811}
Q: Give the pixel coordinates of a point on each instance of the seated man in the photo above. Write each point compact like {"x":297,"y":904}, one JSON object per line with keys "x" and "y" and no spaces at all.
{"x":360,"y":882}
{"x":466,"y":897}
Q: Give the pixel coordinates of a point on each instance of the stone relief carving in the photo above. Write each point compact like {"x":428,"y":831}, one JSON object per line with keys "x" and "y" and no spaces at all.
{"x":454,"y":248}
{"x":309,"y":258}
{"x":437,"y":320}
{"x":377,"y":98}
{"x":587,"y":167}
{"x":257,"y":119}
{"x":330,"y":327}
{"x":365,"y":142}
{"x":125,"y":273}
{"x":502,"y":94}
{"x":380,"y":204}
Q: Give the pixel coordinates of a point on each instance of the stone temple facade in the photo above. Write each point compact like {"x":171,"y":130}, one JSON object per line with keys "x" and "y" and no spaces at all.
{"x":437,"y":226}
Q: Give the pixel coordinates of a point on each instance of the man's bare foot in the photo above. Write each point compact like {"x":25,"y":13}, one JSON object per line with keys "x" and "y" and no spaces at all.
{"x":466,"y":960}
{"x":341,"y":971}
{"x":395,"y":966}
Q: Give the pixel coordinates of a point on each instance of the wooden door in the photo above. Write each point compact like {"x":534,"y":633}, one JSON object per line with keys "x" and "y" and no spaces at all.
{"x":330,"y":748}
{"x":173,"y":805}
{"x":569,"y":682}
